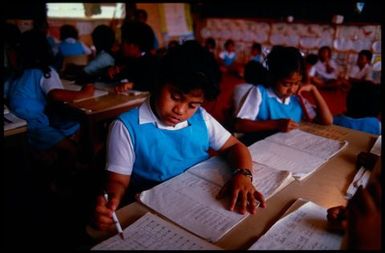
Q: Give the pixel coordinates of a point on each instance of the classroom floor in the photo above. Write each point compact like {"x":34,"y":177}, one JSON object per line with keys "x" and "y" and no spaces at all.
{"x":37,"y":218}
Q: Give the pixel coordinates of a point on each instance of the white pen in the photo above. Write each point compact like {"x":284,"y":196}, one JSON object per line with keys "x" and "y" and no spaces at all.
{"x":115,"y":219}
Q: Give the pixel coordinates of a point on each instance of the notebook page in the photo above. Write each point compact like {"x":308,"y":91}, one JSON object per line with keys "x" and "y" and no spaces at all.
{"x":303,"y":229}
{"x":281,"y":157}
{"x":310,"y":143}
{"x":266,"y":180}
{"x":71,"y":86}
{"x":152,"y":233}
{"x":190,"y":201}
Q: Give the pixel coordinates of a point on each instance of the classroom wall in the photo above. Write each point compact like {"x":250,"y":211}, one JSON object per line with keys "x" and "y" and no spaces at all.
{"x":345,"y":40}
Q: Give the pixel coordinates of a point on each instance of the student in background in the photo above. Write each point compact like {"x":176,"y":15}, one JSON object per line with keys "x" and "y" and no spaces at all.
{"x":255,"y":74}
{"x":278,"y":105}
{"x":171,"y":132}
{"x":211,"y":45}
{"x":361,"y":219}
{"x":362,"y":70}
{"x":256,"y":53}
{"x":136,"y":64}
{"x":310,"y":61}
{"x":31,"y":90}
{"x":326,"y":71}
{"x":70,"y":44}
{"x":140,"y":15}
{"x":227,"y":57}
{"x":363,"y":108}
{"x":103,"y":38}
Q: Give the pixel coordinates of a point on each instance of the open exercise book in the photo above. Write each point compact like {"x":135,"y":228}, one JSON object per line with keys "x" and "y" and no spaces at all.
{"x":297,"y":151}
{"x":152,"y":233}
{"x":304,"y":229}
{"x":70,"y":85}
{"x":189,"y":199}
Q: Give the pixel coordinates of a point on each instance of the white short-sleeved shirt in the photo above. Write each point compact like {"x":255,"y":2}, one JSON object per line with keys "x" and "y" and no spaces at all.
{"x":53,"y":82}
{"x":250,"y":106}
{"x":120,"y":151}
{"x":363,"y":74}
{"x":320,"y":70}
{"x":102,"y":60}
{"x":239,"y":95}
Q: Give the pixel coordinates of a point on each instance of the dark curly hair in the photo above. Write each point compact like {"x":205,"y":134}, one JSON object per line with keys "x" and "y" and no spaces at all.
{"x":138,"y":33}
{"x":35,"y":52}
{"x":189,"y":67}
{"x":282,"y":62}
{"x":103,"y":38}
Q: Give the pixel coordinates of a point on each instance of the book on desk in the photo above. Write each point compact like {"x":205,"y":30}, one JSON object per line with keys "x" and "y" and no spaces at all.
{"x":189,"y":199}
{"x":11,"y":121}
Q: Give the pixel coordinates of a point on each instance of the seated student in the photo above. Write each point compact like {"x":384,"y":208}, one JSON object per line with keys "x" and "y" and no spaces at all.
{"x":326,"y":71}
{"x":103,"y":38}
{"x":70,"y":45}
{"x":310,"y":61}
{"x":256,"y":53}
{"x":278,"y":105}
{"x":69,"y":42}
{"x":363,"y":69}
{"x":361,"y":219}
{"x":136,"y":64}
{"x":227,"y":57}
{"x":171,"y":132}
{"x":363,"y":108}
{"x":210,"y":45}
{"x":254,"y":74}
{"x":32,"y":88}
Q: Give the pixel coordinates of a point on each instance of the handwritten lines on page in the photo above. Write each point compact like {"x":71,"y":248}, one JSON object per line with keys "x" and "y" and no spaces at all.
{"x":195,"y":191}
{"x":152,"y":233}
{"x":197,"y":211}
{"x":303,"y":229}
{"x":298,"y":152}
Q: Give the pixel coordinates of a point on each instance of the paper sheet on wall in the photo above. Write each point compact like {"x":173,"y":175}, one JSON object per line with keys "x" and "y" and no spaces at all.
{"x":189,"y":199}
{"x":303,"y":229}
{"x":152,"y":233}
{"x":175,"y":19}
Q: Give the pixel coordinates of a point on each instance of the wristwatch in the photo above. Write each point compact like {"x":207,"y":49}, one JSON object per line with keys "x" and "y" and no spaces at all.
{"x":244,"y":172}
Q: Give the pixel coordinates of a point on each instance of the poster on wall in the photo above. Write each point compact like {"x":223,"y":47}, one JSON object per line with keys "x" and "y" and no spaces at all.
{"x":176,"y":19}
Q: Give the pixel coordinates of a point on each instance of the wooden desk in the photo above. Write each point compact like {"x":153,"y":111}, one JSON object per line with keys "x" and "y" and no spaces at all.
{"x":326,"y":187}
{"x":96,"y":110}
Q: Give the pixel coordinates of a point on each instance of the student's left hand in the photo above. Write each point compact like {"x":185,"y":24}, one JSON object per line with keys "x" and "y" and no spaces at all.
{"x":243,"y":194}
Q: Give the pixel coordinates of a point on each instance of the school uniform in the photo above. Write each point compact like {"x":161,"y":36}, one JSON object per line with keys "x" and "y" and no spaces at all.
{"x":366,"y":73}
{"x":367,"y":124}
{"x":102,"y":60}
{"x":257,"y":58}
{"x":73,"y":47}
{"x":140,"y":146}
{"x":261,"y":103}
{"x":227,"y":57}
{"x":320,"y":70}
{"x":27,"y":100}
{"x":239,"y":94}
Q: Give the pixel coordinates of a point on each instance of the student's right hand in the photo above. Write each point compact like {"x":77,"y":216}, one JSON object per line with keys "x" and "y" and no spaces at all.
{"x":336,"y":217}
{"x":103,"y":212}
{"x":285,"y":125}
